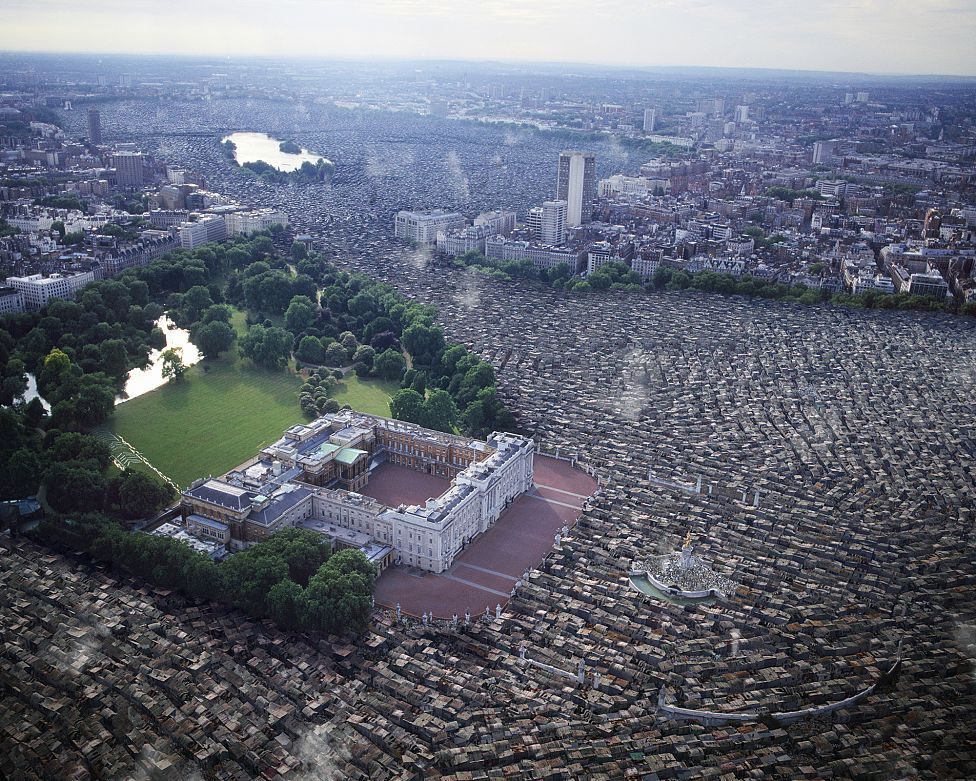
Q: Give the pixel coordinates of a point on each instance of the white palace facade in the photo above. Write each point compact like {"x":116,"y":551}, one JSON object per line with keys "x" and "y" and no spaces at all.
{"x":311,"y":478}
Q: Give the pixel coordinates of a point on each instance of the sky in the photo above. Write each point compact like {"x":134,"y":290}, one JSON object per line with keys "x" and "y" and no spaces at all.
{"x":871,"y":36}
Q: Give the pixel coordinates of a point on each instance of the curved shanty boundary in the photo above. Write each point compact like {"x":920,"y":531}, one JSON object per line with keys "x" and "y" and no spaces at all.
{"x":717,"y":718}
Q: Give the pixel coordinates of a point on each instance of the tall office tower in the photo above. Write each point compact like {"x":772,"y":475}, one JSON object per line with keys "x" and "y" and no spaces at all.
{"x":553,"y":228}
{"x":713,"y":106}
{"x":823,"y":152}
{"x":862,"y":97}
{"x":94,"y":126}
{"x":576,"y":184}
{"x":128,"y":169}
{"x":741,"y":113}
{"x":650,"y":118}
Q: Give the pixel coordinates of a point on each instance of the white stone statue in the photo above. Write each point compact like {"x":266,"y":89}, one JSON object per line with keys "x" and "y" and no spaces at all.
{"x":398,"y":611}
{"x":498,"y":610}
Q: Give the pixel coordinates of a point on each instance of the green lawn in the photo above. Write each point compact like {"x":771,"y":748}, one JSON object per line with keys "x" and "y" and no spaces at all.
{"x":372,"y":396}
{"x":217,"y":418}
{"x":213,"y":419}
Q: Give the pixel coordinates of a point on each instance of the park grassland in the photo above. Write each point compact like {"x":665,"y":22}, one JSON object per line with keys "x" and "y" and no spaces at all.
{"x":372,"y":396}
{"x":211,"y":420}
{"x":223,"y":411}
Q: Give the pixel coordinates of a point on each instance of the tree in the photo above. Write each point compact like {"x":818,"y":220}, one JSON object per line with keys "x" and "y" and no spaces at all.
{"x":348,"y":340}
{"x":487,"y":413}
{"x":34,"y":412}
{"x":439,"y":412}
{"x":23,"y":474}
{"x":139,"y":495}
{"x":12,"y":388}
{"x":389,"y":364}
{"x":336,"y":355}
{"x":218,"y":313}
{"x":423,"y":342}
{"x":200,"y":577}
{"x":363,"y":305}
{"x":173,"y":366}
{"x":383,"y":341}
{"x":248,"y":577}
{"x":338,"y":595}
{"x":286,"y":603}
{"x":114,"y":358}
{"x":56,"y":368}
{"x":195,"y":300}
{"x":310,"y":350}
{"x":298,"y":251}
{"x":448,"y":360}
{"x":302,"y":550}
{"x":267,"y":347}
{"x":269,"y":291}
{"x":88,"y":401}
{"x":407,"y":405}
{"x":365,"y":355}
{"x":72,"y":488}
{"x":214,"y":338}
{"x":479,"y":376}
{"x":74,"y":447}
{"x":300,"y":315}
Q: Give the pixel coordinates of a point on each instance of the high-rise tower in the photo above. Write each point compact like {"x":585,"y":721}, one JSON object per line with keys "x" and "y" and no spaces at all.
{"x":576,"y":184}
{"x":94,"y":126}
{"x":650,"y":119}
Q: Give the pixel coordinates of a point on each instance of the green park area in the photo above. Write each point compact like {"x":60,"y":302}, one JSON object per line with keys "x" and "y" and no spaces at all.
{"x":223,"y":411}
{"x":370,"y":395}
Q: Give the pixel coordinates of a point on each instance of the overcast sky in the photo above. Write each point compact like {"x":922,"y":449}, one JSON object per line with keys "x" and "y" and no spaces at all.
{"x":876,"y":36}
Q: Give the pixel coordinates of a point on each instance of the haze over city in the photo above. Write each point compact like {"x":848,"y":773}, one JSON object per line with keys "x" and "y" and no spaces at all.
{"x":873,"y":36}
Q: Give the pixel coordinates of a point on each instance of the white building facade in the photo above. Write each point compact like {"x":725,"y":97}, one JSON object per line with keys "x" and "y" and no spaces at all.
{"x":38,"y":290}
{"x":423,"y":227}
{"x":242,"y":223}
{"x":203,"y":231}
{"x":11,"y":301}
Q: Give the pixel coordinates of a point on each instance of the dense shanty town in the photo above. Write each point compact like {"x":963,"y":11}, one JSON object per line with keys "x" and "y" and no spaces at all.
{"x":732,"y":537}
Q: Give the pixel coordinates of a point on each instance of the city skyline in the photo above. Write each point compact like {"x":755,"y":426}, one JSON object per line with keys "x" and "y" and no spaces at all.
{"x":926,"y":37}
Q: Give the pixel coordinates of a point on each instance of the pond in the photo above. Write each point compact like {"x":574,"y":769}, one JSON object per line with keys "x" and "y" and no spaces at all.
{"x":31,"y":393}
{"x":139,"y":381}
{"x":142,"y":381}
{"x":252,"y":147}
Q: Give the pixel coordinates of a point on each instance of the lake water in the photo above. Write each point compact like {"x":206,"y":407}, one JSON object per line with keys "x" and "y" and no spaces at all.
{"x":140,"y":380}
{"x":252,"y":147}
{"x":31,"y":392}
{"x":144,"y":380}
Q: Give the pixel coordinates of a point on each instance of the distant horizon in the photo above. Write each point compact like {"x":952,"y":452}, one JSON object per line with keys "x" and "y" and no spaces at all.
{"x":870,"y":37}
{"x":501,"y":61}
